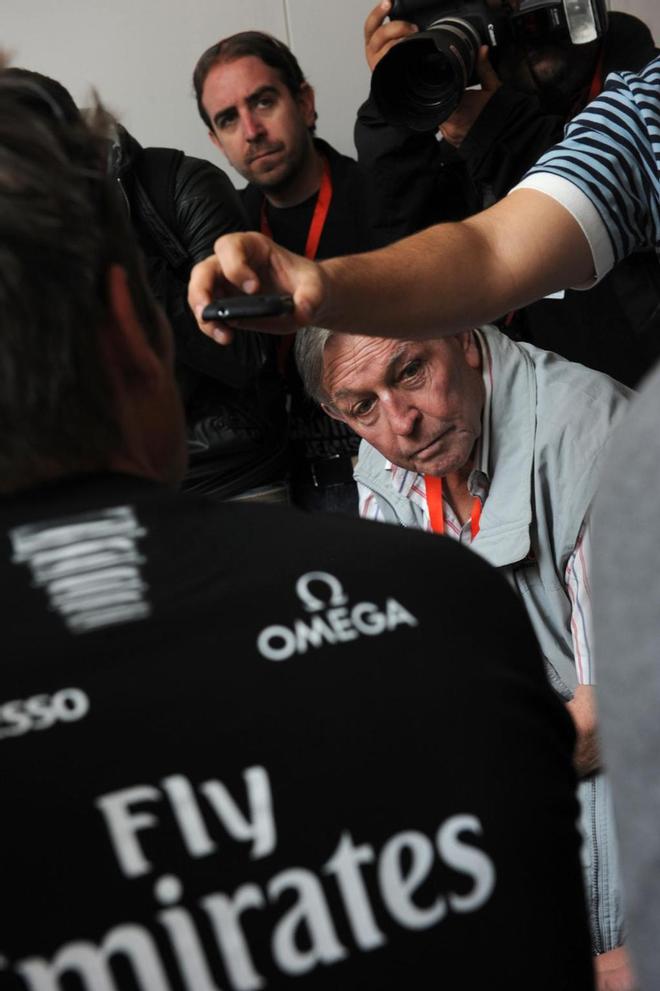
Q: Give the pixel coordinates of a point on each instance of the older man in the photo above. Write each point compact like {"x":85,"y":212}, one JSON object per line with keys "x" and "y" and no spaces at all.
{"x":497,"y":445}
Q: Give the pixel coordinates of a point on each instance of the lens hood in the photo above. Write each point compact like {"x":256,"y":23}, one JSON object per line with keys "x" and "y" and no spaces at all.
{"x":421,"y":80}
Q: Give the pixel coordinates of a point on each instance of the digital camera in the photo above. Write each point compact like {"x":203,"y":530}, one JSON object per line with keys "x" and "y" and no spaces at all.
{"x":422,"y":78}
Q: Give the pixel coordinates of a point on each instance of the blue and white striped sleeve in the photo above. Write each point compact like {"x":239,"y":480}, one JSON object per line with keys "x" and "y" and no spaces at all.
{"x":609,"y":162}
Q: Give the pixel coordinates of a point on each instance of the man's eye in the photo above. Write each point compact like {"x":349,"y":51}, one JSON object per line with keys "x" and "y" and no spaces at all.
{"x":411,"y":369}
{"x":224,"y":122}
{"x":362,"y":408}
{"x":265,"y":102}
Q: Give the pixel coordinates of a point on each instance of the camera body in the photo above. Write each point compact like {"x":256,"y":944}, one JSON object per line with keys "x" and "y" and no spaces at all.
{"x":421,"y":80}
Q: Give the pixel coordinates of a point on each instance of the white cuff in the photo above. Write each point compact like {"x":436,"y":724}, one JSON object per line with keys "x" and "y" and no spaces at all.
{"x":581,"y":208}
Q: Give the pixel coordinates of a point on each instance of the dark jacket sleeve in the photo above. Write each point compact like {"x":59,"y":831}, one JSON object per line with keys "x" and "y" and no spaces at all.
{"x":207,"y":206}
{"x":421,"y":181}
{"x":425,"y":181}
{"x":506,"y":139}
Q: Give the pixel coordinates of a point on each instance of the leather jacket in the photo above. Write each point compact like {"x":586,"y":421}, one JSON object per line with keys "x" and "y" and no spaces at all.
{"x":234,"y":404}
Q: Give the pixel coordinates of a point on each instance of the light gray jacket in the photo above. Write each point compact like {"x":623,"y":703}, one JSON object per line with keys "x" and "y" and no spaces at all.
{"x":550,"y":424}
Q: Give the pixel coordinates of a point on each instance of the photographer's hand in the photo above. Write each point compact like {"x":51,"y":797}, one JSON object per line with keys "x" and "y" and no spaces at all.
{"x":456,"y":128}
{"x":251,"y":263}
{"x":380,"y":37}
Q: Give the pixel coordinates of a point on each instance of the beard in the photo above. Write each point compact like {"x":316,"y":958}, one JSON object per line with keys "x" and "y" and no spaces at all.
{"x":281,"y":179}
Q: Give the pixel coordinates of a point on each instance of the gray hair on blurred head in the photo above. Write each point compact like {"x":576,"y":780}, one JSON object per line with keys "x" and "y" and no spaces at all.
{"x":309,"y":349}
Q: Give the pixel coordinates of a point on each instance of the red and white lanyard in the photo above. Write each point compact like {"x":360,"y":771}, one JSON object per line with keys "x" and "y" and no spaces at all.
{"x":319,"y":216}
{"x":433,"y":486}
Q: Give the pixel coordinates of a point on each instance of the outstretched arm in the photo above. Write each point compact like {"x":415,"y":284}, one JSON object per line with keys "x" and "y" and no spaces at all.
{"x":440,"y":281}
{"x":455,"y":276}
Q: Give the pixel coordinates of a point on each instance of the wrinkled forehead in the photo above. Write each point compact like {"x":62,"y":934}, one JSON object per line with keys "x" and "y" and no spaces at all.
{"x":236,"y":77}
{"x":353,"y":363}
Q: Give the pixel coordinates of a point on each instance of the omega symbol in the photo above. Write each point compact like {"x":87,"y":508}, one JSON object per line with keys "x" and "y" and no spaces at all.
{"x":311,"y":602}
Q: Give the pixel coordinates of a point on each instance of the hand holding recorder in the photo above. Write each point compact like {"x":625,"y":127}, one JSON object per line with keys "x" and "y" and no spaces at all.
{"x":290,"y":288}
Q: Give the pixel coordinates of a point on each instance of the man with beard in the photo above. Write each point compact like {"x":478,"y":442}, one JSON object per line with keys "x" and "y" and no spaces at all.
{"x":498,"y":132}
{"x":260,"y":111}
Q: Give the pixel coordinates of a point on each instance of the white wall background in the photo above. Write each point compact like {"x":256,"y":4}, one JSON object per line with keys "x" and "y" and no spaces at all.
{"x":647,"y":10}
{"x":140,"y":55}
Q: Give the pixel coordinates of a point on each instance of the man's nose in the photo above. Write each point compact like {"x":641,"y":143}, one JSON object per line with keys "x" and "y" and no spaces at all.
{"x":403,"y":416}
{"x":253,"y":129}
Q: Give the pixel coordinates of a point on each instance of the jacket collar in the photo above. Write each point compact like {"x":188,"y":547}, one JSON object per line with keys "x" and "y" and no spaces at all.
{"x":504,"y":536}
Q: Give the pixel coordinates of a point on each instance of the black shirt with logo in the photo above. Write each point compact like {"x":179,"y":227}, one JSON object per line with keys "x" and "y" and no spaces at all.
{"x":245,"y":747}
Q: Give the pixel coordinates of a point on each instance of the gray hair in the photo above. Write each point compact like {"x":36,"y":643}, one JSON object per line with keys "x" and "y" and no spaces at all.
{"x":309,"y":349}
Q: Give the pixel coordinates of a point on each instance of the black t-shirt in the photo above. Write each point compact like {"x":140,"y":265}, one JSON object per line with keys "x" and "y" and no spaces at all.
{"x":244,"y":747}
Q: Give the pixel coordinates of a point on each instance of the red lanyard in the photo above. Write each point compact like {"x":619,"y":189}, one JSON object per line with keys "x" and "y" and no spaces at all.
{"x":318,"y":219}
{"x":436,"y":512}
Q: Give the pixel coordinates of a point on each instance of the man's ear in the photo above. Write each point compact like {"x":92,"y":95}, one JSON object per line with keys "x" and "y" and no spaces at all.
{"x":470,"y":348}
{"x":306,"y":100}
{"x":214,"y":140}
{"x":331,"y":411}
{"x":128,"y":353}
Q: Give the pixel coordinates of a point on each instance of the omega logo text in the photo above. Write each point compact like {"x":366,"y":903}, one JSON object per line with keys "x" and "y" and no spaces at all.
{"x":332,"y":621}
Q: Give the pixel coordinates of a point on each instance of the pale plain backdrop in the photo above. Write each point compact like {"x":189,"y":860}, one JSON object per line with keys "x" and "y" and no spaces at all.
{"x":140,"y":54}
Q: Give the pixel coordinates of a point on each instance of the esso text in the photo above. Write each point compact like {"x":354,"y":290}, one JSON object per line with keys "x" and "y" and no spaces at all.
{"x":40,"y":712}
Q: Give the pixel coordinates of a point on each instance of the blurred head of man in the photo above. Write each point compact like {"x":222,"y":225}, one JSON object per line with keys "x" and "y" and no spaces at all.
{"x":545,"y":62}
{"x":259,"y":109}
{"x":86,"y":379}
{"x":556,"y":72}
{"x":417,"y":402}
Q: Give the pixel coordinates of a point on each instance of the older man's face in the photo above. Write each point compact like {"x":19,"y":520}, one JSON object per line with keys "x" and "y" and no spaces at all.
{"x":417,"y":402}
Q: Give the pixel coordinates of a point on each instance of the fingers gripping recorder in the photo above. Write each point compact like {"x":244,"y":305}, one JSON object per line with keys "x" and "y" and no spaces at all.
{"x":421,"y":80}
{"x":282,"y":291}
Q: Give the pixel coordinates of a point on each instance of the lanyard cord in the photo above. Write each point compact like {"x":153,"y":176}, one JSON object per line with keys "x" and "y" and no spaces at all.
{"x":319,"y":217}
{"x":433,"y":486}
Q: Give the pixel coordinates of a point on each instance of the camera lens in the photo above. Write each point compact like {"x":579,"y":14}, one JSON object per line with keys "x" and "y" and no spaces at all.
{"x":421,"y":80}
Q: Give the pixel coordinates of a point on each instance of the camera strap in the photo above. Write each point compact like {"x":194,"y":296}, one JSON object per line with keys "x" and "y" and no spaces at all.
{"x":433,"y":486}
{"x":319,"y":216}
